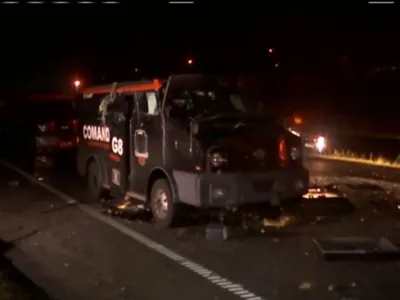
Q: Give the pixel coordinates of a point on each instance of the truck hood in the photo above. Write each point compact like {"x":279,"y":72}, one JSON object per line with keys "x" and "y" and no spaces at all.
{"x":210,"y":130}
{"x":240,"y":138}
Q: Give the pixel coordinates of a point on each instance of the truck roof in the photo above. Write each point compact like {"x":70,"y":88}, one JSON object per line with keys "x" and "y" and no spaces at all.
{"x":125,"y":87}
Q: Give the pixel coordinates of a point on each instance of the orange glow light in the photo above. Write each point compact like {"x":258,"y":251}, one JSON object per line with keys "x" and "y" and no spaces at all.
{"x":298,"y":120}
{"x":190,"y":61}
{"x":77,"y":83}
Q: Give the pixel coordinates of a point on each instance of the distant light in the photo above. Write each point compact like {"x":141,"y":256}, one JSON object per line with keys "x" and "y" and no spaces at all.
{"x":276,"y":65}
{"x":77,"y":83}
{"x":298,"y":121}
{"x":190,"y":61}
{"x":270,"y":50}
{"x":136,"y":70}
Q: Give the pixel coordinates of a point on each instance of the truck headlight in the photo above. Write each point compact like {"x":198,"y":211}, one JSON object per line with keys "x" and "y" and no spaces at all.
{"x":217,"y":159}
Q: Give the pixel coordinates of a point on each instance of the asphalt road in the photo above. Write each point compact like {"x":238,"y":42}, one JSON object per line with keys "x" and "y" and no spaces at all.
{"x":75,"y":252}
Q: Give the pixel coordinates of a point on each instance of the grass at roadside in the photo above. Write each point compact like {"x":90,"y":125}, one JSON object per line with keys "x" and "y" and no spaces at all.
{"x":369,"y":159}
{"x":14,"y":285}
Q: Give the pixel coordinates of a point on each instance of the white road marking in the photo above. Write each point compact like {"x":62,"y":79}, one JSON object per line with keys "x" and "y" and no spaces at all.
{"x":380,"y":2}
{"x":59,"y":2}
{"x":181,"y":2}
{"x":234,"y":288}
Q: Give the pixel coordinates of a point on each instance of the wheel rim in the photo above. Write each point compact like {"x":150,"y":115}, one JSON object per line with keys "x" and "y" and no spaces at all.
{"x":161,"y":204}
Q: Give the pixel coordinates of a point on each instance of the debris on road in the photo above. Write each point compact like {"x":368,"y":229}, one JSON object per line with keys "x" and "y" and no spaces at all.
{"x":39,"y":177}
{"x":13,"y":183}
{"x":305,"y":286}
{"x":320,"y":192}
{"x":217,"y":232}
{"x":277,"y":223}
{"x":356,"y":247}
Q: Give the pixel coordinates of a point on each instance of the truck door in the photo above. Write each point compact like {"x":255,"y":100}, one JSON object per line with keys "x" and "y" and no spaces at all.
{"x":118,"y":156}
{"x":146,"y":138}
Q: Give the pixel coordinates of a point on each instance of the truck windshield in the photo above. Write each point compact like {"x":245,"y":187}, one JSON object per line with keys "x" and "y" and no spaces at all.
{"x":204,"y":98}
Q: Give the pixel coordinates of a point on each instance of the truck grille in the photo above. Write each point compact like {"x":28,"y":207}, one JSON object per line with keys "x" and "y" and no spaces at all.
{"x":253,"y":156}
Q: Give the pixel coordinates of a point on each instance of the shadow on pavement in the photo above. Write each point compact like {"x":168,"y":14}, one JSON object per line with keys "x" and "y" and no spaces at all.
{"x":4,"y":247}
{"x":14,"y":285}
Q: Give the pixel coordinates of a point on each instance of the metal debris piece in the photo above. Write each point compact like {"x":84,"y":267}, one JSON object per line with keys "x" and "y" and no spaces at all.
{"x":305,"y":286}
{"x":13,"y":183}
{"x":353,"y":285}
{"x":217,"y":232}
{"x":277,"y":223}
{"x":71,"y":202}
{"x":356,"y":247}
{"x":320,"y":194}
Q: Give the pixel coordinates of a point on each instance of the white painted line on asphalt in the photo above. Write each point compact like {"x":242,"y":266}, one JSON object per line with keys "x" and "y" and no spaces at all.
{"x":236,"y":289}
{"x":380,"y":2}
{"x":181,"y":2}
{"x":59,"y":2}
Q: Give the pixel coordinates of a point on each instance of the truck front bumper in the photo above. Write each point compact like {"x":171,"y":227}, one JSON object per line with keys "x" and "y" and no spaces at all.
{"x":211,"y":190}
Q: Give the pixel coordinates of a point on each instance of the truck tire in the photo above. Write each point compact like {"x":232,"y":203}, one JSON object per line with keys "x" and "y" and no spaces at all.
{"x":94,"y":180}
{"x":165,"y":211}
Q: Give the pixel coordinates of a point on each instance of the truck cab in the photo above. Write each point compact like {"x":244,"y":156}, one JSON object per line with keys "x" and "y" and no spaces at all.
{"x":186,"y":141}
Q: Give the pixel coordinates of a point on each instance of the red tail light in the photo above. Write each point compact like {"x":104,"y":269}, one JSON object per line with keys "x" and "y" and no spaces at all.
{"x":282,"y":151}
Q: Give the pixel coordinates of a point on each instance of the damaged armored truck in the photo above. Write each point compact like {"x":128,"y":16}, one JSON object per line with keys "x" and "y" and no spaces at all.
{"x":189,"y":140}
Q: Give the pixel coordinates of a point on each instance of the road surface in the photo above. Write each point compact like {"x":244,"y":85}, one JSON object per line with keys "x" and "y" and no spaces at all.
{"x":75,"y":252}
{"x":319,"y":167}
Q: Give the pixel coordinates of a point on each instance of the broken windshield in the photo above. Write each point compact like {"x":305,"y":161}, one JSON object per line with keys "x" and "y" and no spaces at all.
{"x":205,"y":97}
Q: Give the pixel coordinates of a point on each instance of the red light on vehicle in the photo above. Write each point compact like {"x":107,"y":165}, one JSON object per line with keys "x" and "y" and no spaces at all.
{"x":282,"y":151}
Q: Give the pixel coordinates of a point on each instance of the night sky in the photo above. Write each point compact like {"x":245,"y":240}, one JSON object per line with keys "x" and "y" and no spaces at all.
{"x":322,"y":54}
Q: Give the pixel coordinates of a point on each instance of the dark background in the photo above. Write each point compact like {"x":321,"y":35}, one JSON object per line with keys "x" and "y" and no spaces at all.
{"x":331,"y":59}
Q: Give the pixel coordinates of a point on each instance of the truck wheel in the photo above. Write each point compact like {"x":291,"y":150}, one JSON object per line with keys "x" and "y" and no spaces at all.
{"x":163,"y":208}
{"x":94,"y":180}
